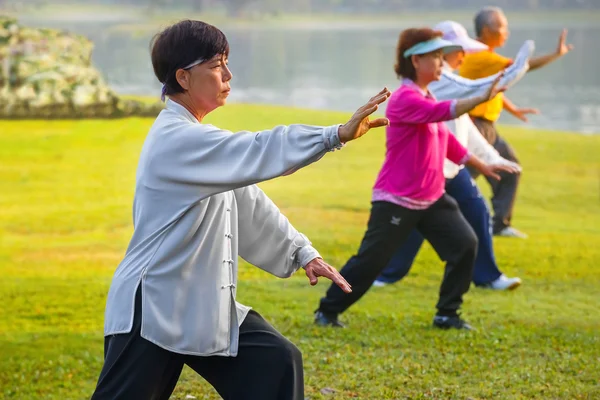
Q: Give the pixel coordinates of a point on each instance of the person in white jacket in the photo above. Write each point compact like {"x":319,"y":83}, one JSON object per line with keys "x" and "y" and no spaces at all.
{"x":459,"y":183}
{"x":172,"y":300}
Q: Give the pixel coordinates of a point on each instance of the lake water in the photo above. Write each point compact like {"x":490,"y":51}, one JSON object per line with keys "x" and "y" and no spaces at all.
{"x":339,"y":67}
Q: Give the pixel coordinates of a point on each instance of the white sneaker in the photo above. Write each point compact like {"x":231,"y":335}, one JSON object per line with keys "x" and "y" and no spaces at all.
{"x":504,"y":283}
{"x":379,"y":284}
{"x":509,"y":231}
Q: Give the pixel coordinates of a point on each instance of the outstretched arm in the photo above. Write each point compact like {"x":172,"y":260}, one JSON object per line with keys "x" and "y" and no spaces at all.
{"x":411,"y":107}
{"x":562,"y":49}
{"x":517,"y":112}
{"x":465,"y":105}
{"x":208,"y":160}
{"x":204,"y":160}
{"x":452,"y":86}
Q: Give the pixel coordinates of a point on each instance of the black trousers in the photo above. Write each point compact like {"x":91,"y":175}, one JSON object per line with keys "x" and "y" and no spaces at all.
{"x":268,"y":366}
{"x":504,"y":191}
{"x":442,"y":224}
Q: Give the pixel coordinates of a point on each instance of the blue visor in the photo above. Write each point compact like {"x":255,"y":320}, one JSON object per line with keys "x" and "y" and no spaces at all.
{"x":432,"y":45}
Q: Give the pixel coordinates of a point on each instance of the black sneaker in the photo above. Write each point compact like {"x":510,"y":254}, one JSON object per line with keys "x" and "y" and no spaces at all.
{"x":323,"y":319}
{"x":451,"y":322}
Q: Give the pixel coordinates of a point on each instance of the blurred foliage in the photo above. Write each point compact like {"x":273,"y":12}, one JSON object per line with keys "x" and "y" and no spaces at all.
{"x":47,"y":73}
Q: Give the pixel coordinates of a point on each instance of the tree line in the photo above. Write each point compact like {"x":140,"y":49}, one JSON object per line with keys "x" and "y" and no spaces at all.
{"x":239,"y":7}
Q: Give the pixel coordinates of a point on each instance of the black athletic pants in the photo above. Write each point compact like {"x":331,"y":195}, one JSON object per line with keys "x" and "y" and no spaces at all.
{"x":267,"y":367}
{"x":442,"y":224}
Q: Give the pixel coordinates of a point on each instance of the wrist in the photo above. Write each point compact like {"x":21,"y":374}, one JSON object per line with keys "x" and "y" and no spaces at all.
{"x":308,"y":263}
{"x":341,"y":133}
{"x":306,"y":255}
{"x":482,"y":99}
{"x":474,"y":162}
{"x":332,"y":138}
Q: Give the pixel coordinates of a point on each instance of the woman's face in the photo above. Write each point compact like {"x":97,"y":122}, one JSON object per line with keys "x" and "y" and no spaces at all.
{"x":429,"y":66}
{"x":455,"y":58}
{"x":207,"y":84}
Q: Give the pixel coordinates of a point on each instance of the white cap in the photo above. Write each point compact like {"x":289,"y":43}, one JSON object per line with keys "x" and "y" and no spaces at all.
{"x":457,"y":34}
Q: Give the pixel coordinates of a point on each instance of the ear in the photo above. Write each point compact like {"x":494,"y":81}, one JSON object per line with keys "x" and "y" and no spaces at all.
{"x":485,"y":32}
{"x":183,"y":78}
{"x":414,"y":60}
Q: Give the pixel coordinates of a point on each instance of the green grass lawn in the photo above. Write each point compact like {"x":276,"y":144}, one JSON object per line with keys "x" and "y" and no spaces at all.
{"x":66,"y":191}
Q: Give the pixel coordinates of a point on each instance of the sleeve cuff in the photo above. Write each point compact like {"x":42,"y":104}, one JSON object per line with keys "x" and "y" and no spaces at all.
{"x":332,"y":138}
{"x":306,"y":254}
{"x":496,"y":159}
{"x":465,"y":158}
{"x":453,"y":108}
{"x":504,"y":161}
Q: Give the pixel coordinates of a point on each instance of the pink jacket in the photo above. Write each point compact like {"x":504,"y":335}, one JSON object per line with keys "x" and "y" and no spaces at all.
{"x":417,"y":143}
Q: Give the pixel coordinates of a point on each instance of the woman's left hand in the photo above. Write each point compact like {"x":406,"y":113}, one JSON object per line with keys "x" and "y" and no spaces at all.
{"x":317,"y":267}
{"x":563,"y":47}
{"x":521,"y":113}
{"x":360,"y":124}
{"x":493,"y":170}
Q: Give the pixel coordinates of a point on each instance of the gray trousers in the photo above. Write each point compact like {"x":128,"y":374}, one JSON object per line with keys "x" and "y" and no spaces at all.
{"x":267,"y":367}
{"x":504,"y":191}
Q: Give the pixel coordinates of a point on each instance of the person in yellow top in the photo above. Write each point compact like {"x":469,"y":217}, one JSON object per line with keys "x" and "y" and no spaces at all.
{"x":491,"y":28}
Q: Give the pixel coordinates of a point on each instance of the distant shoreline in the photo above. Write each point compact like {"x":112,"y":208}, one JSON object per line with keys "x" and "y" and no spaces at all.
{"x":139,"y":19}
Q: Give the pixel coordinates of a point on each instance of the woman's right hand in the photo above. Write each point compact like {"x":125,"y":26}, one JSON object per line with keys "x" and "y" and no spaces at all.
{"x":513,"y":165}
{"x":463,"y":106}
{"x":492,"y":170}
{"x":493,"y":90}
{"x":317,"y":267}
{"x":360,"y":124}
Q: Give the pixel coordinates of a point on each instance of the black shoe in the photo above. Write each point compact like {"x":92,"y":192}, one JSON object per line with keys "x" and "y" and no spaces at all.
{"x":323,"y":319}
{"x":451,"y":322}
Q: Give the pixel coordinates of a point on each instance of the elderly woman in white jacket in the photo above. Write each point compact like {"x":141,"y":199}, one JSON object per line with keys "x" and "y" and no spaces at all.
{"x":196,"y":209}
{"x":459,"y":183}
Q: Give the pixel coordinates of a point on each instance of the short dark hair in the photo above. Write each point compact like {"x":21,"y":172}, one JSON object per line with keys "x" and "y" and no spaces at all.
{"x":180,"y":45}
{"x":408,"y":38}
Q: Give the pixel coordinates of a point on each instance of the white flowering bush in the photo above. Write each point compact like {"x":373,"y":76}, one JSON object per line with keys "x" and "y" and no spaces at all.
{"x":47,"y":73}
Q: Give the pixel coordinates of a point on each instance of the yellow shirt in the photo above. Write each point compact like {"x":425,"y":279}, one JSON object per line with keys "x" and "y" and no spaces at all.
{"x":480,"y":65}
